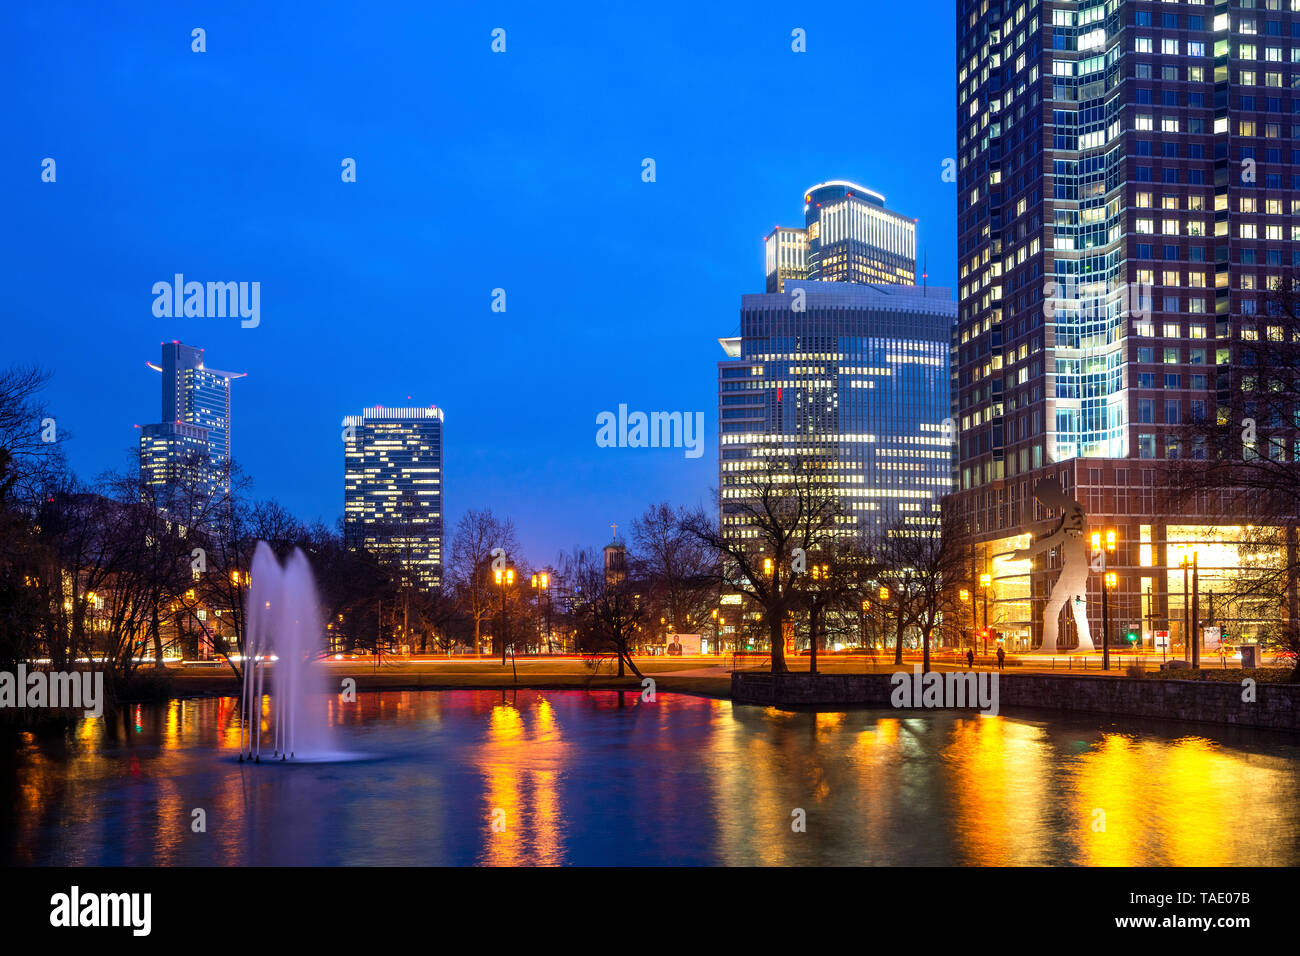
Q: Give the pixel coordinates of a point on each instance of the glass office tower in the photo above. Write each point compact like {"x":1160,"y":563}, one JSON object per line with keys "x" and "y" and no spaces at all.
{"x":1126,"y":174}
{"x":855,"y":385}
{"x":392,"y":487}
{"x":786,"y":251}
{"x":848,"y":236}
{"x":195,"y":426}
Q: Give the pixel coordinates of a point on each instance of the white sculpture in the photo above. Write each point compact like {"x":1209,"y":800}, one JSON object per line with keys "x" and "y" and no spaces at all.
{"x":1072,"y":584}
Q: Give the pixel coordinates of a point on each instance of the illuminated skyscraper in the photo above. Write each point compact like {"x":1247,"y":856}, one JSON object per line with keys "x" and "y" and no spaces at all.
{"x":855,"y":386}
{"x":195,"y":426}
{"x":786,"y":249}
{"x":392,"y":487}
{"x":1125,"y":200}
{"x":848,"y":236}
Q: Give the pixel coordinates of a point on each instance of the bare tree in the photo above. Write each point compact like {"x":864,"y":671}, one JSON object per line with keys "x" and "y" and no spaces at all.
{"x":478,"y":535}
{"x":1237,"y":462}
{"x":837,"y":579}
{"x":677,"y":568}
{"x":927,"y":563}
{"x":30,"y":440}
{"x":608,"y":610}
{"x":784,"y":512}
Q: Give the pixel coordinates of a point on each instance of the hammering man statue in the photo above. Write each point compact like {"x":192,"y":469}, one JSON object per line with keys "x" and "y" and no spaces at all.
{"x":1072,"y":584}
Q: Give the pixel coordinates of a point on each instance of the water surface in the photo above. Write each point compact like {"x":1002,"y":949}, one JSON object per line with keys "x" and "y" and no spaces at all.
{"x":573,"y":777}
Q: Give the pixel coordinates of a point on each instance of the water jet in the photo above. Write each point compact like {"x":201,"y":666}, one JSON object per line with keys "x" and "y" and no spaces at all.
{"x":283,"y":634}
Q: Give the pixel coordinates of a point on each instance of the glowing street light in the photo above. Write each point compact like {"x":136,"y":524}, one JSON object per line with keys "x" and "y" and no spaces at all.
{"x":986,"y":582}
{"x":542,"y":582}
{"x":1105,"y":542}
{"x":504,"y":577}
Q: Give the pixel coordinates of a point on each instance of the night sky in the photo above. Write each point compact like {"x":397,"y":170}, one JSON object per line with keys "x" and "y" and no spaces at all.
{"x":475,"y":171}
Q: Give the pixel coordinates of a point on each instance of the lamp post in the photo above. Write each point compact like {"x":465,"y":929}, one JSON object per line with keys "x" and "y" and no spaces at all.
{"x":503,"y":578}
{"x":1151,"y":609}
{"x":964,"y":595}
{"x":1191,"y":624}
{"x":862,"y":626}
{"x":820,"y":573}
{"x":1195,"y":614}
{"x":769,"y":569}
{"x":898,"y":638}
{"x":542,"y":582}
{"x":1108,"y":582}
{"x":1105,"y":543}
{"x":986,"y":581}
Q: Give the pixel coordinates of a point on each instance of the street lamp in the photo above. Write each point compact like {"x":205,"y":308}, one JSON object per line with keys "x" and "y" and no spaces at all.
{"x":816,"y":612}
{"x":964,"y":595}
{"x":1191,"y":624}
{"x":1104,"y":543}
{"x":504,"y":577}
{"x":542,"y":582}
{"x":1109,"y":580}
{"x":986,"y":582}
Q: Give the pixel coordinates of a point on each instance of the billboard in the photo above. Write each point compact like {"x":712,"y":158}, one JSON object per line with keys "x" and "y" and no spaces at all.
{"x":1212,"y":635}
{"x":683,"y":644}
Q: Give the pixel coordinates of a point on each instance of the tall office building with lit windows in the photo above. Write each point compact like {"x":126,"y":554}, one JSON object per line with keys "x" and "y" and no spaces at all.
{"x":195,"y":426}
{"x":848,"y":236}
{"x":392,"y":487}
{"x":855,"y":386}
{"x":1126,"y":174}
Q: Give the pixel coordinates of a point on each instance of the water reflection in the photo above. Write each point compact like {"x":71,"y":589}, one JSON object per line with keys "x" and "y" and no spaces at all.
{"x":569,"y":777}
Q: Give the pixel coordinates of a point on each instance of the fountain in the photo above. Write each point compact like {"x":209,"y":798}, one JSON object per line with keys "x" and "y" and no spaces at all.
{"x":283,"y":624}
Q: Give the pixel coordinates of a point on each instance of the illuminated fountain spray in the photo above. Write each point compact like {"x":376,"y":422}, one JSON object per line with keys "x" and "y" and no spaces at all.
{"x":283,"y":622}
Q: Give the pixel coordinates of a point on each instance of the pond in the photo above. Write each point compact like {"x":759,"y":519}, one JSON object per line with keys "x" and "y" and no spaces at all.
{"x":602,"y":777}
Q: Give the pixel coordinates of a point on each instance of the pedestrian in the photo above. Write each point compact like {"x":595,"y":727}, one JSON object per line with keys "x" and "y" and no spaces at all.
{"x":1002,"y":656}
{"x":970,"y":658}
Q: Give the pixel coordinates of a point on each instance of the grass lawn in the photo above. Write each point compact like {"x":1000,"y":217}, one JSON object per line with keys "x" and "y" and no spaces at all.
{"x":562,"y":673}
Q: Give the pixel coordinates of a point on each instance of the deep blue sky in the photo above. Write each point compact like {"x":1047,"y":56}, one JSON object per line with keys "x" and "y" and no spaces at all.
{"x":476,"y":170}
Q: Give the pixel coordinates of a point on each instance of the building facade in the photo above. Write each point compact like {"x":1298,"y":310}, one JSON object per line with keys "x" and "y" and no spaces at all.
{"x":853,"y":381}
{"x":392,"y":487}
{"x":848,"y":236}
{"x":1125,"y":179}
{"x":195,"y":429}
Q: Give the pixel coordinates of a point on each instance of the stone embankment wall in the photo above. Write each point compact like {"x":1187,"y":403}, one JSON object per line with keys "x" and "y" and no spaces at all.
{"x":1276,"y":706}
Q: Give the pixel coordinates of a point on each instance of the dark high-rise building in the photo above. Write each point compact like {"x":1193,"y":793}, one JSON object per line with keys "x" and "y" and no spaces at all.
{"x":852,"y":380}
{"x":195,"y":426}
{"x":1125,"y":181}
{"x":392,"y":487}
{"x":848,"y":236}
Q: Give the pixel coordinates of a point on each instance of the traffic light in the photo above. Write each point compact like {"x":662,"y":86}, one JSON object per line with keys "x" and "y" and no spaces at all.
{"x":1132,"y":635}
